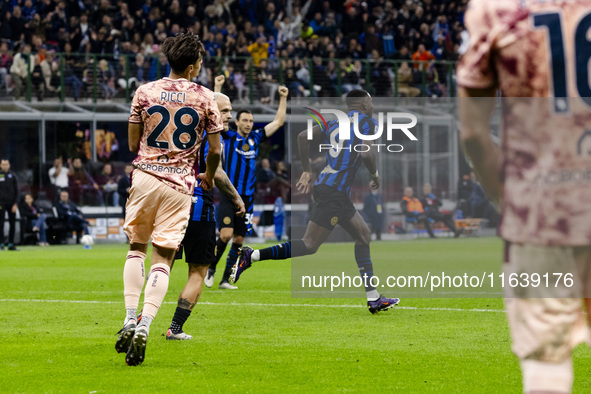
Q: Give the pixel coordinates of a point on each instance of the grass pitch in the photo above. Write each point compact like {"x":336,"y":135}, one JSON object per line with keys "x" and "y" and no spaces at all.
{"x":60,"y":308}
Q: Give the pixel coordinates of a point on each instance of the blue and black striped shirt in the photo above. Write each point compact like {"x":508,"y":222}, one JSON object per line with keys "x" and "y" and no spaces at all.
{"x":240,"y":159}
{"x":202,"y":201}
{"x":342,"y":161}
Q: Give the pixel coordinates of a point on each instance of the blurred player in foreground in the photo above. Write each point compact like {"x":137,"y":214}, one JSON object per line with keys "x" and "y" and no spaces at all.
{"x":168,"y":121}
{"x":241,"y":147}
{"x":332,"y":201}
{"x":199,"y":241}
{"x":536,"y":53}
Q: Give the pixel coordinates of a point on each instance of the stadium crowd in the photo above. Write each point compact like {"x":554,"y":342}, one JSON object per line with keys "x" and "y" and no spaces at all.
{"x":289,"y":41}
{"x":314,"y":47}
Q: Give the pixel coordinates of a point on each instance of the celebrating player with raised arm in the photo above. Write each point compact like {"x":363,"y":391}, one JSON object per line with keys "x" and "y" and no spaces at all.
{"x":168,"y":122}
{"x":241,"y":147}
{"x":537,"y":54}
{"x":332,"y":202}
{"x":199,"y":241}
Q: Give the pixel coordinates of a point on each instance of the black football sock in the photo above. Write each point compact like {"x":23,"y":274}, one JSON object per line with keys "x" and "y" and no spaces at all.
{"x":365,"y":266}
{"x":230,"y":261}
{"x":180,"y":317}
{"x":277,"y":252}
{"x":220,"y":248}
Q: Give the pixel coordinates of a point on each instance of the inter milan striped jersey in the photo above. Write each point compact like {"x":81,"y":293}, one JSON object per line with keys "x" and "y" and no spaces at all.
{"x":239,"y":154}
{"x":342,"y":162}
{"x":202,"y":201}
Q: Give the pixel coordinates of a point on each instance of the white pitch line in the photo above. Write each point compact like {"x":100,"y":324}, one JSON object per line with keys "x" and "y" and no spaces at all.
{"x":121,"y":291}
{"x":399,"y":294}
{"x":259,"y":305}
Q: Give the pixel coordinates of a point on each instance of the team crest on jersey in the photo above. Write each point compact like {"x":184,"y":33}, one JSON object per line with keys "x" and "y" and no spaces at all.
{"x":334,"y":221}
{"x":245,"y":147}
{"x":227,"y":220}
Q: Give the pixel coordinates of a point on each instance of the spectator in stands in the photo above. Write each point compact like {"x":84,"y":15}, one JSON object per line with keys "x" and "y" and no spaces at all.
{"x":106,"y":79}
{"x":266,"y":84}
{"x":303,"y":75}
{"x":431,"y":205}
{"x":270,"y":29}
{"x":108,"y":183}
{"x":138,"y":71}
{"x":37,"y":80}
{"x":373,"y":42}
{"x":282,"y":171}
{"x":17,"y":25}
{"x":81,"y":185}
{"x":5,"y":62}
{"x":332,"y":79}
{"x":290,"y":26}
{"x":280,"y":184}
{"x":403,"y":54}
{"x":123,"y":187}
{"x":292,"y":82}
{"x":23,"y":63}
{"x":259,"y":50}
{"x":353,"y":77}
{"x":58,"y":175}
{"x":405,"y":82}
{"x":34,"y":220}
{"x":8,"y":202}
{"x":413,"y":211}
{"x":422,"y":57}
{"x":158,"y":67}
{"x":50,"y":71}
{"x":433,"y":86}
{"x":5,"y":32}
{"x":318,"y":25}
{"x":73,"y":70}
{"x":72,"y":215}
{"x":265,"y":173}
{"x":380,"y":76}
{"x":373,"y":210}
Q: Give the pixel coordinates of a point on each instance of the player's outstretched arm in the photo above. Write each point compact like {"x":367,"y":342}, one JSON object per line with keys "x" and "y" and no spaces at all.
{"x":222,"y":182}
{"x":476,"y":107}
{"x":219,"y":82}
{"x":272,"y":127}
{"x":134,"y":132}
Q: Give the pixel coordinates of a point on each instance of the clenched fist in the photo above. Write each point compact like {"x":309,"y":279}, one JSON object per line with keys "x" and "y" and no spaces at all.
{"x":219,"y":81}
{"x":283,"y":91}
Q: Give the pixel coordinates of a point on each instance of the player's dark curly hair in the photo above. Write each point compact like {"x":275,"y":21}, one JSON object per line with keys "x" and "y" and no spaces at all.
{"x":183,"y":50}
{"x":355,"y":97}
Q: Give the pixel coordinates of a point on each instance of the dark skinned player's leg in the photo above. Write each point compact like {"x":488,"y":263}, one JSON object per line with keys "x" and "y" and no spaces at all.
{"x":358,"y":229}
{"x":314,"y":236}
